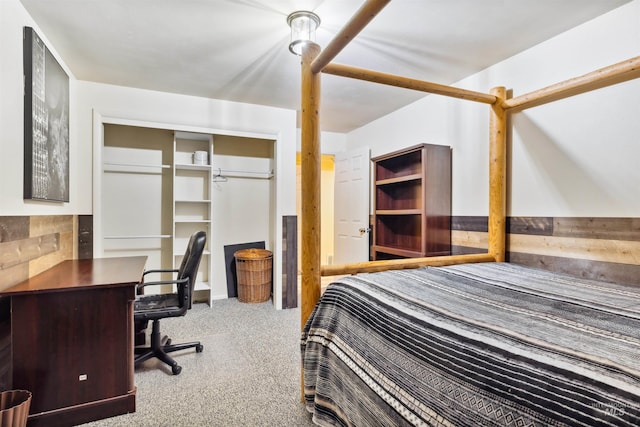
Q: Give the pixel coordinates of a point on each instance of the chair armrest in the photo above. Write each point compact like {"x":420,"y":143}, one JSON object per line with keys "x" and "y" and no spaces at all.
{"x":158,"y":271}
{"x":163,"y":282}
{"x":141,"y":285}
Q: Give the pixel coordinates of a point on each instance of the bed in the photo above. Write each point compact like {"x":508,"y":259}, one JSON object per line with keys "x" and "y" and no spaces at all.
{"x":465,"y":339}
{"x":473,"y":345}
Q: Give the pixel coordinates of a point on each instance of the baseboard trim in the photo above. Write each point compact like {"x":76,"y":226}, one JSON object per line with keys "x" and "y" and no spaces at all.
{"x":84,"y":413}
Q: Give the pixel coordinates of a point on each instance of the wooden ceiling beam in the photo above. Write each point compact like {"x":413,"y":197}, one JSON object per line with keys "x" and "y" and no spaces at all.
{"x":407,"y":83}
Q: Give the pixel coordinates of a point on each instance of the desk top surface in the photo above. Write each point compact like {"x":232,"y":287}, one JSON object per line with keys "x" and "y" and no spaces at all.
{"x":83,"y":273}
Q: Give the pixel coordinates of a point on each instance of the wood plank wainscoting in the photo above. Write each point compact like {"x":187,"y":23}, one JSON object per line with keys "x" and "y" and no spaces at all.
{"x":289,"y":261}
{"x":596,"y":248}
{"x":30,"y":245}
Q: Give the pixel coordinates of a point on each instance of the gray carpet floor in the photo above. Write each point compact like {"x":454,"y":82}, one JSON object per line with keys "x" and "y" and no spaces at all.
{"x":247,"y":375}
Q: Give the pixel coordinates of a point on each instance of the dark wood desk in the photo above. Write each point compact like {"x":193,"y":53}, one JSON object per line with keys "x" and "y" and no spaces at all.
{"x":72,"y":340}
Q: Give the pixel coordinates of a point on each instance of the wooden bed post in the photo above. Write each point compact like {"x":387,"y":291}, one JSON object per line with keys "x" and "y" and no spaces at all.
{"x":310,"y":162}
{"x":498,"y":176}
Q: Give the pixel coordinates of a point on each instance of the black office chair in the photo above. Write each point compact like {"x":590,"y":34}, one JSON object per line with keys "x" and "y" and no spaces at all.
{"x":156,"y":307}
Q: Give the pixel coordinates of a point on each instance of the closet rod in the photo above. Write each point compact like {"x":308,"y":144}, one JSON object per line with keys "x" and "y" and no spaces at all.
{"x":239,"y":173}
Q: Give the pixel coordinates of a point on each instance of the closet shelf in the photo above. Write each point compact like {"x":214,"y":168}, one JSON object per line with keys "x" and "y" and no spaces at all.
{"x":193,"y":201}
{"x":191,"y":221}
{"x":136,"y":165}
{"x":202,"y":286}
{"x":145,"y":236}
{"x":191,"y":166}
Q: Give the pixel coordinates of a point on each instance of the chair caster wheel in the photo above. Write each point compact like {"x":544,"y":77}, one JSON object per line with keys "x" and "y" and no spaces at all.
{"x":176,"y":369}
{"x":199,"y":348}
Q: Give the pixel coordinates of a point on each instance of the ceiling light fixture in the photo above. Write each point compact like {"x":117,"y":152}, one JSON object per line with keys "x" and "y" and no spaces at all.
{"x":303,"y":29}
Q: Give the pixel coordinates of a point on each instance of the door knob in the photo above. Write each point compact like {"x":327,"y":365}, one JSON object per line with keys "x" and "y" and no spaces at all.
{"x":364,"y":230}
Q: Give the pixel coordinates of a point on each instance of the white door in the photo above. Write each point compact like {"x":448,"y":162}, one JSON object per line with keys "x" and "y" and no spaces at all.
{"x":351,"y":206}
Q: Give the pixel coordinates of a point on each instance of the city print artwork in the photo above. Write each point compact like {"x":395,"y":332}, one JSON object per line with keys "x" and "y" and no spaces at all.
{"x":46,"y":123}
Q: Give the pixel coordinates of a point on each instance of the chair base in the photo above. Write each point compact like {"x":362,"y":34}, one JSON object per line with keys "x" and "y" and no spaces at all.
{"x":161,"y":346}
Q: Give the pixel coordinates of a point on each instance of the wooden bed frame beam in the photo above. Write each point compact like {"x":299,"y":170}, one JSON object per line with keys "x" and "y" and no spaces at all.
{"x":310,"y":183}
{"x":360,"y":19}
{"x":397,"y":264}
{"x":406,"y":83}
{"x":498,"y":176}
{"x":607,"y":76}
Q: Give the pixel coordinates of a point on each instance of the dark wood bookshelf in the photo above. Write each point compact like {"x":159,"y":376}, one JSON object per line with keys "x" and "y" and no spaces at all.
{"x":412,"y":199}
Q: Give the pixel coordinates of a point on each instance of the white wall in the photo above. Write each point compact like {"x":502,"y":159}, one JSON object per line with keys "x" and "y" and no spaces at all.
{"x":330,"y":142}
{"x":13,"y":17}
{"x":575,"y":157}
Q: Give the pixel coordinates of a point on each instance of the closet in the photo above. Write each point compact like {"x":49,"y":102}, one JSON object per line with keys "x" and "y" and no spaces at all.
{"x":158,"y":186}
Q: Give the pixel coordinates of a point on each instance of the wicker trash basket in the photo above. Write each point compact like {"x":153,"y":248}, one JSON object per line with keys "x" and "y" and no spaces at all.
{"x":14,"y":408}
{"x":254,"y":271}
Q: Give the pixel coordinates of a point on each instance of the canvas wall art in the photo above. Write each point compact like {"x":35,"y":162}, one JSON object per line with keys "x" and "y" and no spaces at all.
{"x":46,"y":123}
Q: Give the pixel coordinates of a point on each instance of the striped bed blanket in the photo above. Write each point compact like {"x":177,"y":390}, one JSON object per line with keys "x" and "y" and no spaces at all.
{"x":490,"y":344}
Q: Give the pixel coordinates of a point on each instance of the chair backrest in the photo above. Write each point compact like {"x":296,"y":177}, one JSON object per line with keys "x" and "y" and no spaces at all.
{"x":190,"y":264}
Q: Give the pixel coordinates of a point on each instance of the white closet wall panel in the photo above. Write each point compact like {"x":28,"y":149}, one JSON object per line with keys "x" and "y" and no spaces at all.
{"x":124,"y":197}
{"x":191,"y":185}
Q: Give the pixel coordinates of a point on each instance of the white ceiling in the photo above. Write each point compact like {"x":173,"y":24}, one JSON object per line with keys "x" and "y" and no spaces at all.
{"x":237,"y":49}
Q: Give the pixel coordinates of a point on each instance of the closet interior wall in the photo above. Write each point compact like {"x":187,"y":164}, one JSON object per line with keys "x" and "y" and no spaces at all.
{"x":154,"y":194}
